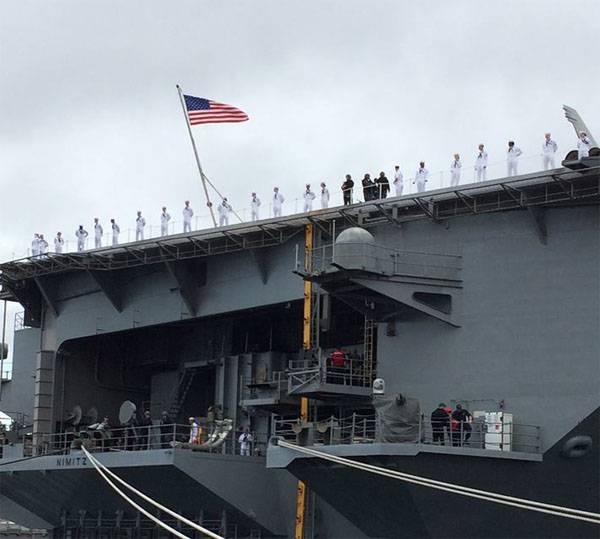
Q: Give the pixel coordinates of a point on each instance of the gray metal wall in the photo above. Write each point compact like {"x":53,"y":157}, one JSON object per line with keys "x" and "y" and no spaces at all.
{"x":151,"y":297}
{"x":529,"y":314}
{"x":17,"y":395}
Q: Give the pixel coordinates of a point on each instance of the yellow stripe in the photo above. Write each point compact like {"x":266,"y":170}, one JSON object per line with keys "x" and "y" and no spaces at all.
{"x":306,"y":344}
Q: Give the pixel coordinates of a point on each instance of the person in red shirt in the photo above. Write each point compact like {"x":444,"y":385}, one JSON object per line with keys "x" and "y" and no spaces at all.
{"x":337,"y":361}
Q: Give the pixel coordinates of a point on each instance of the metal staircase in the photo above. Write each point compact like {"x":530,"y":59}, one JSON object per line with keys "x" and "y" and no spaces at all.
{"x":182,"y":389}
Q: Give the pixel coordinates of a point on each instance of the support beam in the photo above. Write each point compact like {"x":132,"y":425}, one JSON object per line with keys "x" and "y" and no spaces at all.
{"x":566,"y":187}
{"x":348,"y":218}
{"x":106,"y":282}
{"x":515,"y":194}
{"x":425,"y":207}
{"x":390,"y":217}
{"x":466,"y":200}
{"x":44,"y":288}
{"x":405,"y":294}
{"x":319,"y":226}
{"x":188,"y":287}
{"x":538,"y":218}
{"x":238,"y":240}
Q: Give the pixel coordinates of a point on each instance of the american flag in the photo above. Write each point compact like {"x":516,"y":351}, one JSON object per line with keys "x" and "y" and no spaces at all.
{"x":205,"y":111}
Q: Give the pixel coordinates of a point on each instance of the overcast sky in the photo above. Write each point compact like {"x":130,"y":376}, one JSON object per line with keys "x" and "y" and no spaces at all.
{"x":91,"y":125}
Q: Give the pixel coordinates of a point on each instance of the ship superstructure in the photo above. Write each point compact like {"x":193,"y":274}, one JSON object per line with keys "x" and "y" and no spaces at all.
{"x":485,"y":295}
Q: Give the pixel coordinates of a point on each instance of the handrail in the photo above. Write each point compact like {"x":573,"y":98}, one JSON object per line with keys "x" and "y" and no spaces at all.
{"x":365,"y":428}
{"x":151,"y":437}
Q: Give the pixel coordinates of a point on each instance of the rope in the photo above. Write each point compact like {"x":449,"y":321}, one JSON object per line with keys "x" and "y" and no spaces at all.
{"x":101,"y":468}
{"x":521,"y":503}
{"x":222,"y":197}
{"x":132,"y":503}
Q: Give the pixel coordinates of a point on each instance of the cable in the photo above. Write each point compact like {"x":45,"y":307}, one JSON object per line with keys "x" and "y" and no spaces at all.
{"x":190,"y":523}
{"x":530,"y":505}
{"x":132,"y":503}
{"x":222,"y":197}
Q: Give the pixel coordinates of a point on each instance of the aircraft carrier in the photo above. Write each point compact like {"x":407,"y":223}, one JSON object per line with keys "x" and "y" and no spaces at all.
{"x":485,"y":295}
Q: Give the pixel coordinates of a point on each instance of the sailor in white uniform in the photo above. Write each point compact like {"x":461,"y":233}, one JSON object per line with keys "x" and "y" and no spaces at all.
{"x":43,"y":245}
{"x":254,"y":205}
{"x":481,"y":162}
{"x":116,"y":230}
{"x":455,"y":167}
{"x":81,"y":235}
{"x":35,"y":245}
{"x":421,"y":177}
{"x":59,"y":243}
{"x":308,"y":196}
{"x":224,"y":210}
{"x":98,"y":231}
{"x":512,"y":158}
{"x":324,"y":196}
{"x":188,"y":213}
{"x":583,"y":145}
{"x":165,"y":217}
{"x":549,"y":149}
{"x":140,"y":224}
{"x":278,"y":201}
{"x":398,"y":181}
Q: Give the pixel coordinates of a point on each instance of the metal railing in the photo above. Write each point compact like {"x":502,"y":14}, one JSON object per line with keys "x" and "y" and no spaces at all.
{"x":145,"y":438}
{"x":303,"y":372}
{"x":102,"y":525}
{"x":365,"y":428}
{"x":528,"y":163}
{"x":275,"y":384}
{"x":382,"y":259}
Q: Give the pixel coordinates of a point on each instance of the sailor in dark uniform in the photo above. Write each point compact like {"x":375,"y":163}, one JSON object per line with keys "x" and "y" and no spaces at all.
{"x":347,"y":187}
{"x":440,"y":420}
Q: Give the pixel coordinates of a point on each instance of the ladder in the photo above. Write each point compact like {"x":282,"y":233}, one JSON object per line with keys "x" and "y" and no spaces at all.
{"x":370,"y":365}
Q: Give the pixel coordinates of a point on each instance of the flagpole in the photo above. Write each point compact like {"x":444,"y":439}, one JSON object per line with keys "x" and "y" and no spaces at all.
{"x":202,"y":177}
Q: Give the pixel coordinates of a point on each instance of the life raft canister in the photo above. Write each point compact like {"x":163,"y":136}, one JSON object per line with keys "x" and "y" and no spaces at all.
{"x":576,"y":446}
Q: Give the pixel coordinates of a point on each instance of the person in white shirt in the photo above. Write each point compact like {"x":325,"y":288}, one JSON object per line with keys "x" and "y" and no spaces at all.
{"x":35,"y":245}
{"x":140,"y":224}
{"x":455,"y":167}
{"x":245,"y":440}
{"x":324,"y":196}
{"x":308,"y":196}
{"x":254,"y":205}
{"x":224,"y":210}
{"x":116,"y":230}
{"x":278,"y":201}
{"x":81,"y":235}
{"x":583,"y":145}
{"x":165,"y":217}
{"x":512,"y":158}
{"x":188,"y":213}
{"x":43,"y":245}
{"x":98,"y":231}
{"x":398,"y":181}
{"x":421,"y":177}
{"x":59,"y":243}
{"x":194,"y":431}
{"x":549,"y":149}
{"x":481,"y":162}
